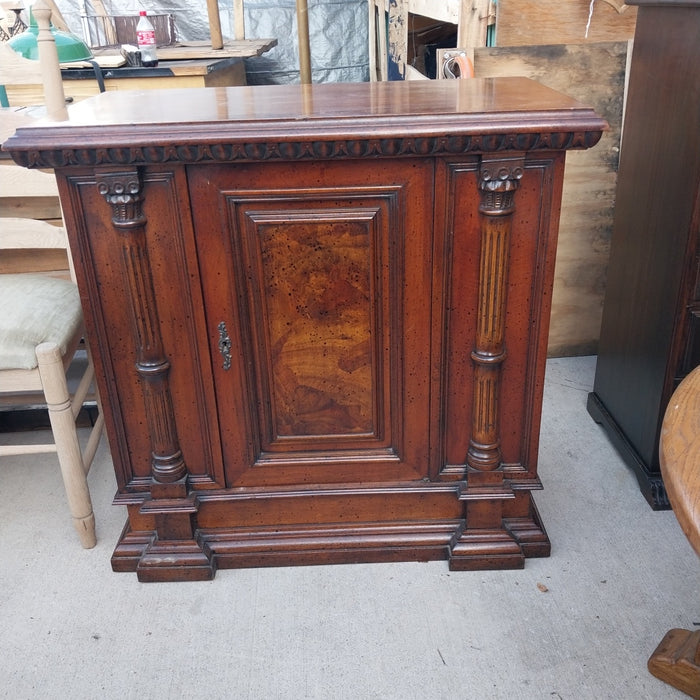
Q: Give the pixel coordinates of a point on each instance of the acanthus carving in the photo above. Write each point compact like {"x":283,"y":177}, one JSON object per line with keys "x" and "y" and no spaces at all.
{"x":252,"y":151}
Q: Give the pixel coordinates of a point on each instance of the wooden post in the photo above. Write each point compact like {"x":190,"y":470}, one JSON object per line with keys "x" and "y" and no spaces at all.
{"x":56,"y":17}
{"x":372,"y":37}
{"x":304,"y":47}
{"x":238,"y":20}
{"x":54,"y":97}
{"x":109,"y":30}
{"x":473,"y":24}
{"x":70,"y":458}
{"x":217,"y":40}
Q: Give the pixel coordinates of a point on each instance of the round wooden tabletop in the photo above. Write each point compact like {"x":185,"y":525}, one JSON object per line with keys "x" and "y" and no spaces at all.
{"x":679,"y":452}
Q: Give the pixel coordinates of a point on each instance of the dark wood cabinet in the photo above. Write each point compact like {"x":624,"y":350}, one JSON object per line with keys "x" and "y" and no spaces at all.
{"x":650,"y":334}
{"x":319,"y":315}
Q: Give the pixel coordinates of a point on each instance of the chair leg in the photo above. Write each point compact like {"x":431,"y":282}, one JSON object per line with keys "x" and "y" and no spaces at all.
{"x":63,"y":426}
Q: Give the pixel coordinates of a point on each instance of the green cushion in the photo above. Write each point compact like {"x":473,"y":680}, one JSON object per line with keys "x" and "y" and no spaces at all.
{"x":35,"y":309}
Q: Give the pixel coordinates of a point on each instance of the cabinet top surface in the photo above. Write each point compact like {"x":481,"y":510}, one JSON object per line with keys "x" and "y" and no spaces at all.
{"x":296,"y":113}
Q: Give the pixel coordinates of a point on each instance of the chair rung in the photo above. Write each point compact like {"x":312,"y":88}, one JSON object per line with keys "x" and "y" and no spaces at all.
{"x":6,"y":450}
{"x":93,"y":442}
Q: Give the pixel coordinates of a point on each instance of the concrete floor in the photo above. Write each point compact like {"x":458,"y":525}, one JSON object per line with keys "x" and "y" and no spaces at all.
{"x":579,"y":625}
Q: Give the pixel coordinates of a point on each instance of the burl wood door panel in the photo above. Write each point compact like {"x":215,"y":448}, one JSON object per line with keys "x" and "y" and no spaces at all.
{"x":317,"y":296}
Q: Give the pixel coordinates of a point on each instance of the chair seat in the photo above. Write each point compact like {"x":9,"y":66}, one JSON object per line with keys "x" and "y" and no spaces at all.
{"x":35,"y":309}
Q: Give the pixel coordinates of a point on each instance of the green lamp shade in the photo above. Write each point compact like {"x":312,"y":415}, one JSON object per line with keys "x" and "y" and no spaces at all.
{"x":69,"y":47}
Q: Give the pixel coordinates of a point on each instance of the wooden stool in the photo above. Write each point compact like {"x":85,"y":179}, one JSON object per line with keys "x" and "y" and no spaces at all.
{"x":676,"y":660}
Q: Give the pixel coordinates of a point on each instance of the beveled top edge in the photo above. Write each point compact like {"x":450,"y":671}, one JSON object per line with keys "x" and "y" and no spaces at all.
{"x":286,"y":121}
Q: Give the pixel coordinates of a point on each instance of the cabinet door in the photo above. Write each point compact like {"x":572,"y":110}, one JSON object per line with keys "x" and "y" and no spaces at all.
{"x":316,"y":283}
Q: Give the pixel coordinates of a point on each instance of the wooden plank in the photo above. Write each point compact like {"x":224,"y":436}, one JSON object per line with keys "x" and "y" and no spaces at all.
{"x":23,"y":233}
{"x":594,"y":74}
{"x":247,"y":48}
{"x":473,"y":24}
{"x":15,"y":70}
{"x":23,"y":182}
{"x":543,"y":22}
{"x":106,"y":58}
{"x":217,"y":39}
{"x":31,"y":207}
{"x":238,"y":20}
{"x":34,"y":260}
{"x":185,"y":74}
{"x":398,"y":39}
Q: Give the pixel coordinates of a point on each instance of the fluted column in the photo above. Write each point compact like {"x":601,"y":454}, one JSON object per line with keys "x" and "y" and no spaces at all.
{"x":122,"y":190}
{"x":499,"y":179}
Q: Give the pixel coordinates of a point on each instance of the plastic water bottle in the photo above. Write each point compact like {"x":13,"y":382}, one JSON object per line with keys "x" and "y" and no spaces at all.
{"x":146,"y":40}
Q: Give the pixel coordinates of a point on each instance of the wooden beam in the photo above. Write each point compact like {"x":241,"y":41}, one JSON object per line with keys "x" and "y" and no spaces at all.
{"x":217,"y":39}
{"x":238,"y":20}
{"x":304,"y":46}
{"x":48,"y":60}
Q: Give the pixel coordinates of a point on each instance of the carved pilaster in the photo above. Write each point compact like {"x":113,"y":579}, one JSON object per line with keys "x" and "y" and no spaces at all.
{"x":122,"y":190}
{"x":499,"y":178}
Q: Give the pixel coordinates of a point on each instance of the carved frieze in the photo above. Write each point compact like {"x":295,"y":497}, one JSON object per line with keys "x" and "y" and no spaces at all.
{"x":233,"y":151}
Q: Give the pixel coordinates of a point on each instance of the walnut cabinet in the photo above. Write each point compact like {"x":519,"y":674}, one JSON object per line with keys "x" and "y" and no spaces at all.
{"x":319,"y":315}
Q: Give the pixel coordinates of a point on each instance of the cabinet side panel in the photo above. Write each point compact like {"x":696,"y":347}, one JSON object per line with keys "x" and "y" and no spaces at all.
{"x":530,"y":271}
{"x":105,"y":295}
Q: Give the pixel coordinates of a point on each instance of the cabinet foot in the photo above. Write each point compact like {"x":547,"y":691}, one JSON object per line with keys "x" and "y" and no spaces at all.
{"x":156,"y":560}
{"x":648,"y":476}
{"x":175,"y":560}
{"x":676,"y":661}
{"x":479,"y":549}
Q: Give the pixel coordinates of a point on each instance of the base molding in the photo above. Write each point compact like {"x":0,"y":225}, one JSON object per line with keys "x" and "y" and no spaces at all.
{"x":676,"y":661}
{"x":479,"y":549}
{"x":157,"y":559}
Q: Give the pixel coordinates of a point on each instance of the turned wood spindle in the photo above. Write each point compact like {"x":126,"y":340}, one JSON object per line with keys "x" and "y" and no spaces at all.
{"x":122,"y":190}
{"x":498,"y":181}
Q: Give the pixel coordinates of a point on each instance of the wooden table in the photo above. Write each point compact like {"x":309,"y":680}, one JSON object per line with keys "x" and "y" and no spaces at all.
{"x":190,"y":65}
{"x":677,"y":658}
{"x":319,"y":315}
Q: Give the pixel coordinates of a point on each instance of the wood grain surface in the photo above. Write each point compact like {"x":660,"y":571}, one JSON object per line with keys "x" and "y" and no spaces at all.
{"x":680,"y":455}
{"x":595,"y":75}
{"x":533,"y":22}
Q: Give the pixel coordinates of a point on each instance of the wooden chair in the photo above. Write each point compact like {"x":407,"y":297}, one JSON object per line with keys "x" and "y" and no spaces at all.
{"x":41,"y":321}
{"x":41,"y":329}
{"x":677,"y":659}
{"x":15,"y":70}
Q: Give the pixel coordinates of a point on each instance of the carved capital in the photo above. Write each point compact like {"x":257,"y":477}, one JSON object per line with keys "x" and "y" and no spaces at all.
{"x":498,"y":181}
{"x":122,"y":191}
